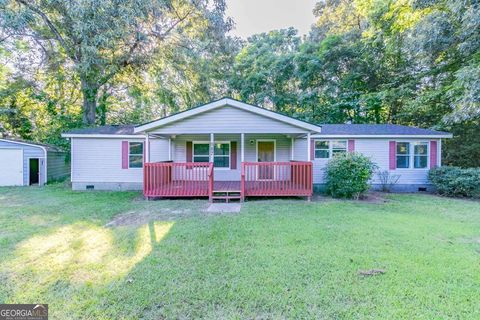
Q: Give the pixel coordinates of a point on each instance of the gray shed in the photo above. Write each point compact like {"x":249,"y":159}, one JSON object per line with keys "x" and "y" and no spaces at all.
{"x":24,"y":163}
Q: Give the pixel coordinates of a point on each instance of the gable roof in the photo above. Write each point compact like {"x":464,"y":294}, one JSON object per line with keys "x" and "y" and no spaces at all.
{"x":377,"y":130}
{"x":222,"y":103}
{"x":126,"y":129}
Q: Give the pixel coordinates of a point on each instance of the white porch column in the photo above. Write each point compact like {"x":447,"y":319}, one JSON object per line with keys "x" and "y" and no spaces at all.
{"x":292,"y":148}
{"x":147,"y":148}
{"x":308,"y":146}
{"x":242,"y":142}
{"x":212,"y":142}
{"x":169,"y":149}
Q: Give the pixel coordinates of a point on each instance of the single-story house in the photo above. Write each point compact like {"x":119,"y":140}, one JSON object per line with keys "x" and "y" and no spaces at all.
{"x":230,"y":149}
{"x":24,"y":163}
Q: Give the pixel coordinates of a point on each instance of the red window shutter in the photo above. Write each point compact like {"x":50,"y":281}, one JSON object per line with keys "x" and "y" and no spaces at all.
{"x":351,"y":145}
{"x":312,"y":149}
{"x":125,"y":150}
{"x":433,"y":154}
{"x":189,"y":152}
{"x":392,"y":155}
{"x":233,"y":155}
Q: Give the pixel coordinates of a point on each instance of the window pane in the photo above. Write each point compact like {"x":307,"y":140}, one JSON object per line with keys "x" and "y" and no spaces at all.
{"x":322,"y":154}
{"x":403,"y":161}
{"x":338,"y":151}
{"x":201,"y":159}
{"x":136,"y":161}
{"x":136,"y":148}
{"x":221,"y":162}
{"x":339,"y":144}
{"x":403,"y":148}
{"x":321,"y":144}
{"x":420,"y":149}
{"x":222,"y":149}
{"x":420,"y":161}
{"x":201,"y":149}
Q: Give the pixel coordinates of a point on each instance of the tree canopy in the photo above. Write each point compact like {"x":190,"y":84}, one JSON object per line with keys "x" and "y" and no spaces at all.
{"x":74,"y":63}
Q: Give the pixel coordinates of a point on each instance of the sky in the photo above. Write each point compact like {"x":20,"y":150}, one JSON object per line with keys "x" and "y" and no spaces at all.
{"x":256,"y":16}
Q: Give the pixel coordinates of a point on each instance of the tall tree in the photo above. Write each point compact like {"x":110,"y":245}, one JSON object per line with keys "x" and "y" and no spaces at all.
{"x":100,"y":39}
{"x":263,"y":72}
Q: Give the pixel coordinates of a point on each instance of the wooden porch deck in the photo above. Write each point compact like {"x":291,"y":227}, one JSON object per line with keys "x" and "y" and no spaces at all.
{"x":193,"y":188}
{"x":257,"y":179}
{"x":252,"y":188}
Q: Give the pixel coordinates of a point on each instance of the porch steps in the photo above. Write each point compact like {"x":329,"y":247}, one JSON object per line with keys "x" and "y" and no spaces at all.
{"x":226,"y":195}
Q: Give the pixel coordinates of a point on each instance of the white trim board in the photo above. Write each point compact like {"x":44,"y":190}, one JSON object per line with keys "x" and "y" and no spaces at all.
{"x":380,"y":136}
{"x":226,"y":102}
{"x":96,"y":135}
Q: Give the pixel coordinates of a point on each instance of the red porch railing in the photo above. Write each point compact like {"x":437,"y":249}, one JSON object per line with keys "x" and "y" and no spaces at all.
{"x":293,"y":178}
{"x":170,"y":179}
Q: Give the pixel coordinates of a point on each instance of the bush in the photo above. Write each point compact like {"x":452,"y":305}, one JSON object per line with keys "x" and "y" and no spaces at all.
{"x":456,"y":182}
{"x":348,"y":175}
{"x":387,"y":180}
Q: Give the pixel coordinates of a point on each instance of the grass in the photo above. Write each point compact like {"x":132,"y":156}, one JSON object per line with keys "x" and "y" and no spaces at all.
{"x":276,"y":259}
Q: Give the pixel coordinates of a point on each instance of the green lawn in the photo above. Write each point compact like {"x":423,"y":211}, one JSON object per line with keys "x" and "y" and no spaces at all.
{"x":276,"y":259}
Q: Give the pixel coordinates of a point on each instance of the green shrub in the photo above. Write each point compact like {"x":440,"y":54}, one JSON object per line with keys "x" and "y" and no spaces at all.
{"x":347,"y":175}
{"x":456,"y":182}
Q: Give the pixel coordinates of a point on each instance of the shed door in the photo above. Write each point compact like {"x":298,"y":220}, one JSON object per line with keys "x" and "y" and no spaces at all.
{"x":11,"y":167}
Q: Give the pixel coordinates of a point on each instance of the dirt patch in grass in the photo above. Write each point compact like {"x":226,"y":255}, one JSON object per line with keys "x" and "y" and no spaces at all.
{"x":374,"y":197}
{"x":474,"y":240}
{"x":138,"y":218}
{"x":371,"y":272}
{"x":163,"y":211}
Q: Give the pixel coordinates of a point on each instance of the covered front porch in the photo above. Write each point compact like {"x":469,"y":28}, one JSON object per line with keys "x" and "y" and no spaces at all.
{"x":229,"y":166}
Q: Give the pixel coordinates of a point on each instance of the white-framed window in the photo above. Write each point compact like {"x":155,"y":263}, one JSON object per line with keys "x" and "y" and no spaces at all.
{"x":420,"y":155}
{"x":403,"y":155}
{"x":221,"y":153}
{"x":325,"y":149}
{"x":412,"y":155}
{"x":135,"y":154}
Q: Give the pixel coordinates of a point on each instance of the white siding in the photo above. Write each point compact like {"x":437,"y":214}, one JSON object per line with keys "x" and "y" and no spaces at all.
{"x":228,"y":120}
{"x":378,"y":151}
{"x":100,"y":160}
{"x":158,"y":150}
{"x":282,"y":150}
{"x":301,"y":150}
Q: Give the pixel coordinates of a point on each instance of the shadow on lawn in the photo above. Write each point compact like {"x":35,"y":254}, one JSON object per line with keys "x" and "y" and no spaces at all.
{"x":68,"y":264}
{"x":84,"y":270}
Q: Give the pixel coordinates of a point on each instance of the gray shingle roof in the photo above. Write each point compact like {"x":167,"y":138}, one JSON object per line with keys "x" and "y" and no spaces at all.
{"x":327,"y":129}
{"x":375,"y":129}
{"x":111,"y":129}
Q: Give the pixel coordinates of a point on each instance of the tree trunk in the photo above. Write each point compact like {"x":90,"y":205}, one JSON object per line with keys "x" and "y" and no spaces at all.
{"x":90,"y":93}
{"x":102,"y":108}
